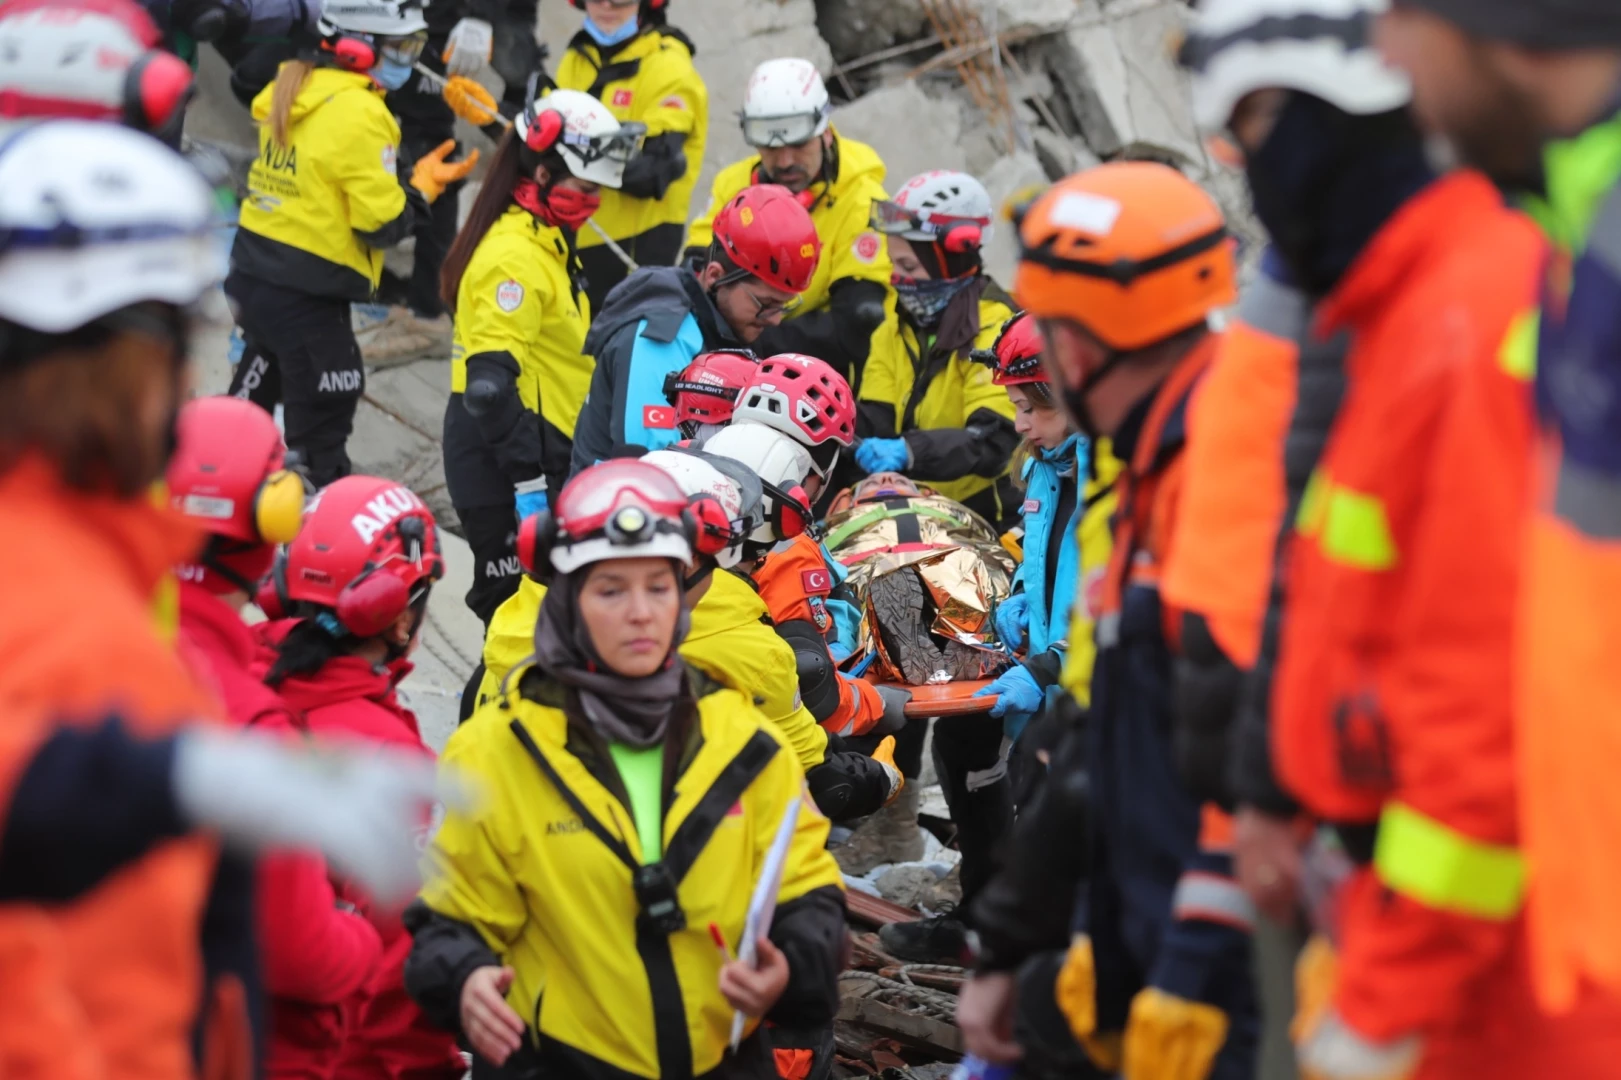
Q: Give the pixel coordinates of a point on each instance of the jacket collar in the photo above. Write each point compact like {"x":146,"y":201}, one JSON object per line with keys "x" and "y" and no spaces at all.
{"x":1422,"y":230}
{"x":204,"y":615}
{"x":716,"y":330}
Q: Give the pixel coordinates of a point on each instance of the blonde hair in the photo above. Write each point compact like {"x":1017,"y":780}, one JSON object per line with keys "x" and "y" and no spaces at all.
{"x":289,"y":81}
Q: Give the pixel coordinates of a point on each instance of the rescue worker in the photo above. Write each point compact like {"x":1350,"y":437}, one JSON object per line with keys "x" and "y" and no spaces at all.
{"x":228,"y":478}
{"x":1161,"y":976}
{"x":582,"y":755}
{"x":1035,"y":616}
{"x":785,"y":118}
{"x":794,"y":574}
{"x":928,"y":410}
{"x":637,"y":64}
{"x":517,"y":375}
{"x":92,"y":374}
{"x":90,"y":61}
{"x":1527,"y":92}
{"x":763,"y":253}
{"x":323,"y":202}
{"x":347,"y":599}
{"x":705,"y":392}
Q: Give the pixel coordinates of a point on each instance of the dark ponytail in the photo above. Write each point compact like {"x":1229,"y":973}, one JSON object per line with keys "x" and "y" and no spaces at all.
{"x":493,"y":199}
{"x":306,"y":649}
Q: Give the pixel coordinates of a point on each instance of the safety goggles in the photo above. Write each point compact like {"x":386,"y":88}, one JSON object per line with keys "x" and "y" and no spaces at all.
{"x":619,"y":146}
{"x":892,"y":219}
{"x":405,"y":50}
{"x":778,"y":131}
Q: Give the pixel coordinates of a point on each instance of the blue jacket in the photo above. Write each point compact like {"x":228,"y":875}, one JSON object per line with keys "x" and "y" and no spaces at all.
{"x":653,"y":324}
{"x":1043,"y":474}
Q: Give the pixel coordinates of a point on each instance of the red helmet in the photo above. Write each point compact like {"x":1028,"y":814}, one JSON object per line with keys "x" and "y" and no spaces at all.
{"x":705,"y":390}
{"x":1016,"y":356}
{"x":622,"y":508}
{"x":767,"y":234}
{"x":226,"y":475}
{"x":805,"y":399}
{"x":369,"y":550}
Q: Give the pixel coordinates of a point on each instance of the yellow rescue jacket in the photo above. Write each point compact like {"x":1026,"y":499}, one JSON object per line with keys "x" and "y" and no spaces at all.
{"x":651,"y":80}
{"x":929,"y":392}
{"x":842,"y":213}
{"x":543,"y":871}
{"x":312,"y":203}
{"x":517,"y":297}
{"x":1096,"y":541}
{"x":730,"y":640}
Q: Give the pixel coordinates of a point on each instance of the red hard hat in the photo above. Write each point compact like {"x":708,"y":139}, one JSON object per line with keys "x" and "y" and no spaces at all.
{"x":369,"y":549}
{"x":769,"y":235}
{"x":706,"y":389}
{"x":226,"y":473}
{"x":1016,"y":356}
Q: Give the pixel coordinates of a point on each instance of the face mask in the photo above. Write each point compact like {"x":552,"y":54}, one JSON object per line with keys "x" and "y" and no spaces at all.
{"x":925,"y":301}
{"x":390,"y":74}
{"x":604,"y":38}
{"x":1325,"y":182}
{"x":572,"y":207}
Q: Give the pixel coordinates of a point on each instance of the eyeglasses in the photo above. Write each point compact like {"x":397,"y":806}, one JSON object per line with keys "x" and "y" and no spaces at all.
{"x":771,"y":309}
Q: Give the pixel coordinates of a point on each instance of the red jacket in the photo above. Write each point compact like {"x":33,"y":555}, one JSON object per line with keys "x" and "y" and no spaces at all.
{"x":1394,"y":698}
{"x":389,"y":1038}
{"x":317,"y":956}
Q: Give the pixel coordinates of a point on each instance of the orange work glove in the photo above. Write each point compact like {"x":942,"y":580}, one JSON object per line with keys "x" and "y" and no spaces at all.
{"x":432,"y":172}
{"x":471,"y":101}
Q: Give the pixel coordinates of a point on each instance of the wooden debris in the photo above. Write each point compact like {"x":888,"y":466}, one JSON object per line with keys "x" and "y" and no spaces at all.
{"x":939,"y":1039}
{"x":875,"y":910}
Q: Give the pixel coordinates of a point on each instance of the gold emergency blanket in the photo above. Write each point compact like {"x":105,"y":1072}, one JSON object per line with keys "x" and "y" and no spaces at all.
{"x":939,"y":630}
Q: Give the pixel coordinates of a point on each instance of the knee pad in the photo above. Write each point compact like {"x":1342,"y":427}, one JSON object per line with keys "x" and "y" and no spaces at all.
{"x":848,"y":786}
{"x":818,"y":678}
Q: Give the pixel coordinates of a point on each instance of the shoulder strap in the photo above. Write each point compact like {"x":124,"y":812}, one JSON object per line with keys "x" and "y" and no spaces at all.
{"x":695,"y":831}
{"x":617,"y":71}
{"x":613,"y":843}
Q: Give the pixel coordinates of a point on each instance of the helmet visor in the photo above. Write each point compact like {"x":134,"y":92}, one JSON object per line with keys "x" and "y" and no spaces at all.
{"x":893,"y":219}
{"x":405,"y":50}
{"x":618,"y":147}
{"x":773,"y":131}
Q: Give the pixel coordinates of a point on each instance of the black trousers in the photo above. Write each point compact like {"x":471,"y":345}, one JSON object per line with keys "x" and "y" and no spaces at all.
{"x":973,"y":778}
{"x":300,"y":353}
{"x":658,"y":246}
{"x":492,"y":533}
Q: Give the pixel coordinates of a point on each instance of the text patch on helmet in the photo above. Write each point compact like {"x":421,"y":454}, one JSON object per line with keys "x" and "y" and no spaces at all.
{"x":866,"y":247}
{"x":208,"y":506}
{"x":659,"y":417}
{"x":508,"y":295}
{"x":1087,"y":212}
{"x":381,"y":511}
{"x":816,"y":581}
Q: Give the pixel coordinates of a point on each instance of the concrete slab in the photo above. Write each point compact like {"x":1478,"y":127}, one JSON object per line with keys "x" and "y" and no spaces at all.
{"x":911,"y":131}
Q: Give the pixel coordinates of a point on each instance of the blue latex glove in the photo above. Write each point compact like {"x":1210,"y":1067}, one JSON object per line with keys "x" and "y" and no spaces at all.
{"x":530,"y":499}
{"x":1012,"y":619}
{"x":1018,"y":698}
{"x":883,"y":455}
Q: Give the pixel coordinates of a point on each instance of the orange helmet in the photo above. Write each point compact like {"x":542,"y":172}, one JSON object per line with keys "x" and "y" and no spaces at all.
{"x":1134,"y":251}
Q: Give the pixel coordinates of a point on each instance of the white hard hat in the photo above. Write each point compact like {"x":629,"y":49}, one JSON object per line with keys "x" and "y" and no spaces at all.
{"x":382,"y":18}
{"x":1319,"y":47}
{"x":785,"y":104}
{"x":777,"y":460}
{"x":698,"y":477}
{"x":931,"y":206}
{"x":95,"y":217}
{"x":79,"y":60}
{"x":594,"y":146}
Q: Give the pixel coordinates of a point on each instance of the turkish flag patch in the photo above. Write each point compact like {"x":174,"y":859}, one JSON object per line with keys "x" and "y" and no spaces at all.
{"x":659,"y":417}
{"x":622,"y":99}
{"x":817,"y":581}
{"x":1030,"y":506}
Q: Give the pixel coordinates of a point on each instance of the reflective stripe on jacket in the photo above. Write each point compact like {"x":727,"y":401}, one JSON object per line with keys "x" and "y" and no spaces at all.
{"x":311,"y":203}
{"x":1095,"y":540}
{"x":730,"y":640}
{"x":1393,"y":692}
{"x":649,"y":80}
{"x":594,"y":989}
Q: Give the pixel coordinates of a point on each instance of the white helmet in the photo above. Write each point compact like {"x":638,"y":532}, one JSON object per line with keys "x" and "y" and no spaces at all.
{"x":377,"y":18}
{"x":940,"y":207}
{"x":593,"y":145}
{"x":697,"y":477}
{"x":781,"y":464}
{"x":96,"y":60}
{"x":1319,"y":47}
{"x":95,"y":217}
{"x":785,"y":104}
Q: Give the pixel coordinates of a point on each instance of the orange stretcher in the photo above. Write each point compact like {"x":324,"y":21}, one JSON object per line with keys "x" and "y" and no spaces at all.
{"x":946,"y":699}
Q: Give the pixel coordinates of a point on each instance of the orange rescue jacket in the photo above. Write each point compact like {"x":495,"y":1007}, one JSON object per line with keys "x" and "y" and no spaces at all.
{"x":118,"y":979}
